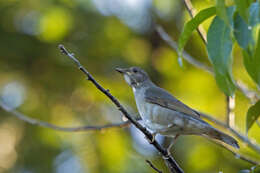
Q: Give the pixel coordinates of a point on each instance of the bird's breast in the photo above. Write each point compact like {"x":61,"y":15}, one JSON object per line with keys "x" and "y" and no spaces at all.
{"x":145,"y":109}
{"x":154,"y":113}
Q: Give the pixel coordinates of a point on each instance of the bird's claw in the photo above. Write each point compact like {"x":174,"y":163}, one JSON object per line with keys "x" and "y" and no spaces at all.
{"x":171,"y":144}
{"x":168,"y":151}
{"x":151,"y":140}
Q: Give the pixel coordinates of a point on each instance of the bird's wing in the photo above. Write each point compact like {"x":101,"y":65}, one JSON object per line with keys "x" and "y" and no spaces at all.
{"x":161,"y":97}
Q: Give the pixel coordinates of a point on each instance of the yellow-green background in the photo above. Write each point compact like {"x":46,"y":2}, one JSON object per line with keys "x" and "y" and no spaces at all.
{"x":103,"y":35}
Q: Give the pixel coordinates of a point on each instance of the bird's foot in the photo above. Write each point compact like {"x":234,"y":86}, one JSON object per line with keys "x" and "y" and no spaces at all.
{"x":153,"y":138}
{"x":172,"y":143}
{"x":169,"y":151}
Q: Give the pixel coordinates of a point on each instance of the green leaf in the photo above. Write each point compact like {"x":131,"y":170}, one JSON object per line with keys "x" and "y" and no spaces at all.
{"x":252,"y":115}
{"x":257,"y":60}
{"x":192,"y":25}
{"x":242,"y":32}
{"x":242,"y":8}
{"x":254,"y":12}
{"x":222,"y":11}
{"x":252,"y":61}
{"x":249,"y":63}
{"x":219,"y":49}
{"x":248,"y":37}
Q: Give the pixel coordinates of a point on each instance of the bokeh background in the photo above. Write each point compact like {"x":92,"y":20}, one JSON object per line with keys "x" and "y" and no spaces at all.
{"x":38,"y":81}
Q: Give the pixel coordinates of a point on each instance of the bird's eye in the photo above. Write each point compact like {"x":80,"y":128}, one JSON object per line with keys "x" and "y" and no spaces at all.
{"x":135,"y":70}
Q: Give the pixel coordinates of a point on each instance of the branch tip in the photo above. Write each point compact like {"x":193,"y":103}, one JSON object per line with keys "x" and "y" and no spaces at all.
{"x":152,"y":166}
{"x":63,"y":49}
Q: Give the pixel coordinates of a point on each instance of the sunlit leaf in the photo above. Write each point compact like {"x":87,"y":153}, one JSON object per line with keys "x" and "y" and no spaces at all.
{"x":252,"y":115}
{"x":242,"y":8}
{"x":192,"y":25}
{"x":252,"y":62}
{"x":219,"y":48}
{"x":254,"y":12}
{"x":242,"y":32}
{"x":247,"y":37}
{"x":222,"y":11}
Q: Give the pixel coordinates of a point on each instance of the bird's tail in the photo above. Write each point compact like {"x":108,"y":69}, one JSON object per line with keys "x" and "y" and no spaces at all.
{"x":216,"y":134}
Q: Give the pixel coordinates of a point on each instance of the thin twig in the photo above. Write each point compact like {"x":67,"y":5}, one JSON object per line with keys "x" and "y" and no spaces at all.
{"x":228,"y":110}
{"x":173,"y":166}
{"x":251,"y":95}
{"x":192,"y":13}
{"x":162,"y":33}
{"x":59,"y":128}
{"x":152,"y":166}
{"x":237,"y":155}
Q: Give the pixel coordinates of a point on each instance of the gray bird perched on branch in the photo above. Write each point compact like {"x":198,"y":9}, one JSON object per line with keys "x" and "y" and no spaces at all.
{"x":164,"y":114}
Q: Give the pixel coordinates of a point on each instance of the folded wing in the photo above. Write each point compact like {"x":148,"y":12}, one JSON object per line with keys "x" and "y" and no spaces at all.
{"x":159,"y":96}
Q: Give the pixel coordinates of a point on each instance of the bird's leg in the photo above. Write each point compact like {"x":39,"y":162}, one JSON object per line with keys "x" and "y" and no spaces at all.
{"x":153,"y":137}
{"x":172,"y":143}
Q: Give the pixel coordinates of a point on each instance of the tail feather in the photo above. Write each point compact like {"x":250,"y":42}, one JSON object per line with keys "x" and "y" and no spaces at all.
{"x":214,"y":133}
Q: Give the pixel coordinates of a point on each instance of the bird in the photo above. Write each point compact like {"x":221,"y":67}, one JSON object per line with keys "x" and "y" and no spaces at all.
{"x":164,"y":114}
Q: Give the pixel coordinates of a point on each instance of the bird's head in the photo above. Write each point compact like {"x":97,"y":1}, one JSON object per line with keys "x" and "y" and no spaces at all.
{"x":134,"y":76}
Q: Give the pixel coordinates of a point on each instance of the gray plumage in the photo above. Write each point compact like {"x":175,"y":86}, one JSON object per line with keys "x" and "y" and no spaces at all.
{"x":163,"y":113}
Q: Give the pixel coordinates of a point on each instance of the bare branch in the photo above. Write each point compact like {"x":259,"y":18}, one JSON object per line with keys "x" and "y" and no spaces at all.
{"x":172,"y":164}
{"x":59,"y":128}
{"x":152,"y":166}
{"x":251,"y":95}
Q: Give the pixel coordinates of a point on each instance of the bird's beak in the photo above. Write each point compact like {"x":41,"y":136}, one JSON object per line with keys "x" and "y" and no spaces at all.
{"x":121,"y":70}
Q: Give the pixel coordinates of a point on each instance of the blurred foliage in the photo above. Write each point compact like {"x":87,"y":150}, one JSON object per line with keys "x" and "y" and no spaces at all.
{"x":40,"y":82}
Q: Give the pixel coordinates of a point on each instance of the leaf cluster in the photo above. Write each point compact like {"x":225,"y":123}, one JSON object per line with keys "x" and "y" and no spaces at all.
{"x":239,"y":24}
